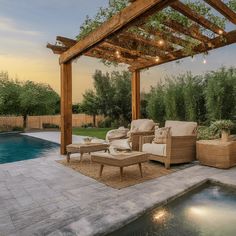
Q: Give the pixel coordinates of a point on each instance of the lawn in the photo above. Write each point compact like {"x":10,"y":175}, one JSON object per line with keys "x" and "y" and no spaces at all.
{"x":92,"y":132}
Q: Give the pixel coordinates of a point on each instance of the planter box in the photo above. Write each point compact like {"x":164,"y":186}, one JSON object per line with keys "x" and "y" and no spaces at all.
{"x":216,"y":153}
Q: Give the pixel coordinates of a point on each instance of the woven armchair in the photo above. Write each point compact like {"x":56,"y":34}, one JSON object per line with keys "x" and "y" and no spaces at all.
{"x":179,"y":148}
{"x":135,"y":138}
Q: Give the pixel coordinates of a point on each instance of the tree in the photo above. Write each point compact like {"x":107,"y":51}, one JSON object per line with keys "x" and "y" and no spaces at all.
{"x":37,"y":99}
{"x":104,"y":92}
{"x":220,"y":94}
{"x":76,"y":108}
{"x":26,"y":98}
{"x":195,"y":98}
{"x":112,"y":96}
{"x":121,"y":84}
{"x":9,"y":95}
{"x":156,"y":105}
{"x":90,"y":105}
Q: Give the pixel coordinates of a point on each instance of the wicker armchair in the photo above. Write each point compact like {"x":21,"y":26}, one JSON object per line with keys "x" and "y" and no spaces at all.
{"x":179,"y":148}
{"x":139,"y":128}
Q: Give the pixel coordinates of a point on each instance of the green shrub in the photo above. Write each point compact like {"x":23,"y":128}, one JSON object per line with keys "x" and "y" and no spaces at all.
{"x":220,"y":125}
{"x":50,"y":126}
{"x":88,"y":125}
{"x":17,"y":128}
{"x":106,"y":123}
{"x":206,"y":133}
{"x":156,"y":105}
{"x":195,"y":98}
{"x":5,"y":128}
{"x":220,"y":94}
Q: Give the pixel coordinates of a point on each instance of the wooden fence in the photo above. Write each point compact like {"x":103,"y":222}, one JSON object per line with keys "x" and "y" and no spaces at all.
{"x":36,"y":122}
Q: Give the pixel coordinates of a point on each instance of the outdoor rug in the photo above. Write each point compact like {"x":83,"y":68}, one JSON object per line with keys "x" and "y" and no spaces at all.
{"x":111,"y":175}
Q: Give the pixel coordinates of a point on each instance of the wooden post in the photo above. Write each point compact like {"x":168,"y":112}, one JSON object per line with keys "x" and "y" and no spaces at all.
{"x":136,"y":95}
{"x":66,"y":106}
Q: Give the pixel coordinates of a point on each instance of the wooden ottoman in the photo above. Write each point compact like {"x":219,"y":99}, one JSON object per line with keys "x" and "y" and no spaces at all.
{"x":85,"y":148}
{"x":120,"y":160}
{"x":216,"y":153}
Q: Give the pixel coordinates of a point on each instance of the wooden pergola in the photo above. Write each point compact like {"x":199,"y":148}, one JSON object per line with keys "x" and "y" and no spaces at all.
{"x":109,"y":42}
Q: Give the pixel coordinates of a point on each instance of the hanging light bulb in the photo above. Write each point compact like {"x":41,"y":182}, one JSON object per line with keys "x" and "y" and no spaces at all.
{"x":161,"y":42}
{"x":118,"y":54}
{"x":220,"y":31}
{"x":157,"y":59}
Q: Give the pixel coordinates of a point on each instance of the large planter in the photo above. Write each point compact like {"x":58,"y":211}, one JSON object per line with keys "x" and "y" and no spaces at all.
{"x":216,"y":153}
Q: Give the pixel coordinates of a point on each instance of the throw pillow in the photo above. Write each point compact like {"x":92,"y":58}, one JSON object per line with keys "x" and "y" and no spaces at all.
{"x":161,"y":135}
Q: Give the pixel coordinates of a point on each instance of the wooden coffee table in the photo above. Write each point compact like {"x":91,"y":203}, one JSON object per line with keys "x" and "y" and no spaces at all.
{"x":85,"y":148}
{"x":120,"y":160}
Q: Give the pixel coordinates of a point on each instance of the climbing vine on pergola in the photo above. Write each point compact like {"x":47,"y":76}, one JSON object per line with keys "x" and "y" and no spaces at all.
{"x":142,"y":35}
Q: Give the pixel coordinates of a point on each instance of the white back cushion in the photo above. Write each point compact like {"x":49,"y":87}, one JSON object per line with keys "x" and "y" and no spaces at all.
{"x":142,"y":125}
{"x":181,"y":128}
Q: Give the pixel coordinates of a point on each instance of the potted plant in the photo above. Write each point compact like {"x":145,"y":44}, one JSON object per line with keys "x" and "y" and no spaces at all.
{"x":224,"y":126}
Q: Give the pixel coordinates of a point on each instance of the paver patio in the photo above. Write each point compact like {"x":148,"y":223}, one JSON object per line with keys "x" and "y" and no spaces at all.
{"x":42,"y":197}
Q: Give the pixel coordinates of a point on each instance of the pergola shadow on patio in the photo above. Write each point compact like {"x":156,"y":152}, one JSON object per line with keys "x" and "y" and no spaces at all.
{"x":109,"y":42}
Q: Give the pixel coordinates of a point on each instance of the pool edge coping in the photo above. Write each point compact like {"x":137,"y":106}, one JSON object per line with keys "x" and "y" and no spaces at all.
{"x":130,"y":219}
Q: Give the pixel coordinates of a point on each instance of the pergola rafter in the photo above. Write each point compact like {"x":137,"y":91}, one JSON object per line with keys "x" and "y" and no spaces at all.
{"x":188,"y":12}
{"x":127,"y":38}
{"x":223,"y":9}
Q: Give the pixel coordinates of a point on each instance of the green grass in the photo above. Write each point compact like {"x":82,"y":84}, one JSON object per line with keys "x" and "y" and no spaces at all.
{"x":92,"y":132}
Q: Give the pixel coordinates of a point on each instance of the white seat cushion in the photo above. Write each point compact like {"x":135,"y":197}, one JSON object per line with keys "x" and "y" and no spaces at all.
{"x":155,"y":149}
{"x":121,"y":144}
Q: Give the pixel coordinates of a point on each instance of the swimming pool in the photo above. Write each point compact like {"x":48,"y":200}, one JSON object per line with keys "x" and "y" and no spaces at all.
{"x":208,"y":211}
{"x":16,"y":147}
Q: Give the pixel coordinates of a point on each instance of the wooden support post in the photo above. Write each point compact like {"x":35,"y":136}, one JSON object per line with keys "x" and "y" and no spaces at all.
{"x":66,"y":106}
{"x":136,"y":95}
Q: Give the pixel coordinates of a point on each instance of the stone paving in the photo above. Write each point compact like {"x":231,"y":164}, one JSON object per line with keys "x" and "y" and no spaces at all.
{"x":42,"y":197}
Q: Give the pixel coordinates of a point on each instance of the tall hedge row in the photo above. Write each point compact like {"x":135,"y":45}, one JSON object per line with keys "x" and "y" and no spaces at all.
{"x":203,"y":98}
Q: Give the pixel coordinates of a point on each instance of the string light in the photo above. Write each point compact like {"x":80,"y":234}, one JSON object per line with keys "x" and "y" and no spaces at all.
{"x":157,"y":59}
{"x":220,"y":31}
{"x":161,"y":42}
{"x":118,"y":54}
{"x":204,"y":61}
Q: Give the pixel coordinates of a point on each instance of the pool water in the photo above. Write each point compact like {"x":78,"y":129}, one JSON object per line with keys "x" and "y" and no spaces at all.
{"x":16,"y":147}
{"x":208,"y":211}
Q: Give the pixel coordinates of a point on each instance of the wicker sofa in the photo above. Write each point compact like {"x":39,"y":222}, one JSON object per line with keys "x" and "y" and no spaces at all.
{"x":180,"y":146}
{"x":131,"y":139}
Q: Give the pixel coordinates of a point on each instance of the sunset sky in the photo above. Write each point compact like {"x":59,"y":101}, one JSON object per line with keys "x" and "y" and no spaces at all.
{"x":26,"y":26}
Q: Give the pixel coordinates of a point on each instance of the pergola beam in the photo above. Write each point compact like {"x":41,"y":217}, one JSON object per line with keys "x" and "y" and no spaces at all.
{"x":116,"y":23}
{"x":102,"y":54}
{"x":167,"y":35}
{"x":66,"y":106}
{"x":56,"y":49}
{"x":223,"y":9}
{"x":135,"y":86}
{"x":132,"y":53}
{"x":66,"y":41}
{"x":217,"y":42}
{"x":146,"y":42}
{"x":188,"y":12}
{"x":191,"y":32}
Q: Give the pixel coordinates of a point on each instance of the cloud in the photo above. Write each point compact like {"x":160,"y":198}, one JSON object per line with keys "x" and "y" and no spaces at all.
{"x":9,"y":25}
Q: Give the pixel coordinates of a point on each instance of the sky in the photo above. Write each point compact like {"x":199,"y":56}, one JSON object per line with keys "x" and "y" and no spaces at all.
{"x":26,"y":26}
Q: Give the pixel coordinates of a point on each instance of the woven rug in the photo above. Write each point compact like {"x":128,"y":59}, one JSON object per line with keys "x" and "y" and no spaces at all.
{"x":111,"y":175}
